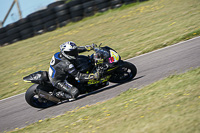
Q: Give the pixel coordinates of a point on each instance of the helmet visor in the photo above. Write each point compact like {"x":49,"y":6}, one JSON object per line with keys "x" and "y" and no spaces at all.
{"x":73,"y":53}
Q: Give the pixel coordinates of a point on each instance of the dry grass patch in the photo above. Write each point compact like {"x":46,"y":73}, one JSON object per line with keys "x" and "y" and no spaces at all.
{"x":131,"y":30}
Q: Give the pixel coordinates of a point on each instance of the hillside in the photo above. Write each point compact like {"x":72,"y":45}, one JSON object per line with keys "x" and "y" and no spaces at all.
{"x":131,"y":30}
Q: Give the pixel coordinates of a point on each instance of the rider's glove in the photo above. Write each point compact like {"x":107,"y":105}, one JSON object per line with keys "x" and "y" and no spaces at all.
{"x":94,"y":76}
{"x":82,"y":77}
{"x":88,"y":47}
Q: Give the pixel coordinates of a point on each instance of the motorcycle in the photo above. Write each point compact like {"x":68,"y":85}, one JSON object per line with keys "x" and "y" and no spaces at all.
{"x":105,"y":60}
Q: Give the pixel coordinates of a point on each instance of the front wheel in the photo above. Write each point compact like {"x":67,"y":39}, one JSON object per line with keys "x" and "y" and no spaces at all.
{"x":34,"y":100}
{"x":124,"y":73}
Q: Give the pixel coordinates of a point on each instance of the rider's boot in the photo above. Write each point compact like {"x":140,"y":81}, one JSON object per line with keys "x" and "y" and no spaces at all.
{"x":61,"y":94}
{"x":68,"y":89}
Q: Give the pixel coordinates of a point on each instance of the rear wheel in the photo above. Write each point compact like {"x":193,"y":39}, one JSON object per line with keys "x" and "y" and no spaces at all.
{"x":124,"y":73}
{"x":34,"y":100}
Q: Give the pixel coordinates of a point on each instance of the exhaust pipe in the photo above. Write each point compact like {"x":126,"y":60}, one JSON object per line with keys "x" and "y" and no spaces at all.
{"x":47,"y":96}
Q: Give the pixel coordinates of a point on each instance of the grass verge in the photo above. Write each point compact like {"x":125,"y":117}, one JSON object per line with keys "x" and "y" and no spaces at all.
{"x":168,"y":105}
{"x":131,"y":30}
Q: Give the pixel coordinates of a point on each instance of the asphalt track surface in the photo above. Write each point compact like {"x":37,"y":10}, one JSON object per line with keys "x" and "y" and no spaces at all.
{"x":153,"y":66}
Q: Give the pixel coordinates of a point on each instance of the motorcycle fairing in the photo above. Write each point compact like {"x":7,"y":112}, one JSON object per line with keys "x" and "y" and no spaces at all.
{"x":114,"y":56}
{"x":112,"y":68}
{"x":37,"y":77}
{"x":102,"y":80}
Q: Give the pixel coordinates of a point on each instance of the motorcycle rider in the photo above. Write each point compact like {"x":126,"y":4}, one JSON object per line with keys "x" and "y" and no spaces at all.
{"x":62,"y":64}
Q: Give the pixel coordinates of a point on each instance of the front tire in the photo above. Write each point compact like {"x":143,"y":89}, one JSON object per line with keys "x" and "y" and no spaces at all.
{"x":34,"y":100}
{"x":124,"y":73}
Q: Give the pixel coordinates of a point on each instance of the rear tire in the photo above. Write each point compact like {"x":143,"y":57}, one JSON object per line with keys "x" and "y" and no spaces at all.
{"x":124,"y":73}
{"x":32,"y":98}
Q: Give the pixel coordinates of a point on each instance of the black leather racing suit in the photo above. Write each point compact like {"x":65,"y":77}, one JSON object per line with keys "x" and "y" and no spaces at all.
{"x":60,"y":67}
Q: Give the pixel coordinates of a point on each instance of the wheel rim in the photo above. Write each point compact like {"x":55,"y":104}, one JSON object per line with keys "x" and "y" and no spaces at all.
{"x":123,"y":74}
{"x":40,"y":102}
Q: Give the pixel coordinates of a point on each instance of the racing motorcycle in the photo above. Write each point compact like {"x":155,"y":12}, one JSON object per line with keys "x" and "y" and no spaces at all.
{"x":105,"y":60}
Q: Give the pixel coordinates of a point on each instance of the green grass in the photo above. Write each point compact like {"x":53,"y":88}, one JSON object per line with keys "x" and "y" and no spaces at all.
{"x":131,"y":30}
{"x":168,"y":105}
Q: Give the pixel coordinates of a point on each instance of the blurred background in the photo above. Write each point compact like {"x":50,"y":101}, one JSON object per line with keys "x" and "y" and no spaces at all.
{"x":22,"y":19}
{"x":132,"y":28}
{"x":26,"y":7}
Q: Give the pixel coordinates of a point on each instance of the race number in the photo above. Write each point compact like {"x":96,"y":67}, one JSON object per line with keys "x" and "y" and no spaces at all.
{"x":52,"y":62}
{"x":114,"y":55}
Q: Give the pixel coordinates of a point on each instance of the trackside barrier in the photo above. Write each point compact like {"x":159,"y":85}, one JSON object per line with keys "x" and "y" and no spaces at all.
{"x":57,"y":14}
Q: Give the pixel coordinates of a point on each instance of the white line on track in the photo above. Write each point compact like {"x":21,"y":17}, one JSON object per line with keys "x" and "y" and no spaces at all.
{"x":128,"y":59}
{"x":12,"y":97}
{"x":163,"y":48}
